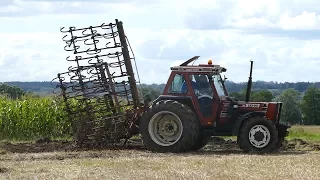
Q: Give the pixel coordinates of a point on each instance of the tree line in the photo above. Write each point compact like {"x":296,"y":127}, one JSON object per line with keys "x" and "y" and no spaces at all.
{"x":299,"y":107}
{"x":47,"y":87}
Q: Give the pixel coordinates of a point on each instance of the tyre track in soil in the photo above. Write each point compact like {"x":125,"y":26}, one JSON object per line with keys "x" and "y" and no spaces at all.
{"x":216,"y":145}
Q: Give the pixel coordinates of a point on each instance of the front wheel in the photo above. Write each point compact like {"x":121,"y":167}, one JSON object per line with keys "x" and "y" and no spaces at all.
{"x":258,"y":135}
{"x":169,"y":126}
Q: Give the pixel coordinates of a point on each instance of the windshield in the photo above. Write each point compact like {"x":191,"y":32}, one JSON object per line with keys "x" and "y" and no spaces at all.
{"x":218,"y":84}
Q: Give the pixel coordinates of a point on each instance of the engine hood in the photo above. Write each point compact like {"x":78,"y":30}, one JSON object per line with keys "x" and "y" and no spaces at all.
{"x":272,"y":109}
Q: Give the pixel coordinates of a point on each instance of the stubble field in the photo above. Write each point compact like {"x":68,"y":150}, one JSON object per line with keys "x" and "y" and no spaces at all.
{"x":220,"y":159}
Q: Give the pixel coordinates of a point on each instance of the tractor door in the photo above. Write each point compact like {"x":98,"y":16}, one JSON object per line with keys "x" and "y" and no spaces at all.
{"x":204,"y":97}
{"x":223,"y":123}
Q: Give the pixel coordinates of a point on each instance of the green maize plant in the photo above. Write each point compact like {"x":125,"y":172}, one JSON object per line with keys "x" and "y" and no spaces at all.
{"x":33,"y":117}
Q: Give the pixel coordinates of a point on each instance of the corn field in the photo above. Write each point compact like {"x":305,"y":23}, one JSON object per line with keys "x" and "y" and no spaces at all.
{"x":32,"y":117}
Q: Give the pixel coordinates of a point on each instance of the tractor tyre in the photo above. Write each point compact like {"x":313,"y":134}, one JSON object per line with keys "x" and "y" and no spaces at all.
{"x":281,"y":137}
{"x":169,"y":126}
{"x":279,"y":143}
{"x":258,"y":135}
{"x":201,"y":142}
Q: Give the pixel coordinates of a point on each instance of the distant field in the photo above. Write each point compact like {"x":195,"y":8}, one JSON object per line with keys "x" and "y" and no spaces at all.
{"x":309,"y":129}
{"x":308,"y":133}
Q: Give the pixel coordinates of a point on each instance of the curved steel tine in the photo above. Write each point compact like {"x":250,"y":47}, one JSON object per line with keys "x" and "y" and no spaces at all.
{"x":83,"y":32}
{"x":72,"y":28}
{"x":69,"y":59}
{"x":65,"y":48}
{"x":69,"y":43}
{"x":54,"y":79}
{"x":96,"y":51}
{"x":115,"y":34}
{"x":94,"y":31}
{"x":113,"y":55}
{"x":108,"y":35}
{"x":91,"y":43}
{"x":89,"y":61}
{"x":96,"y":41}
{"x":107,"y":45}
{"x":72,"y":68}
{"x":78,"y":58}
{"x":63,"y":38}
{"x":98,"y":35}
{"x":61,"y":30}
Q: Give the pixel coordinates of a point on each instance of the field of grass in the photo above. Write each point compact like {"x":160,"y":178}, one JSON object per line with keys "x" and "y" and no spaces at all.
{"x":307,"y":133}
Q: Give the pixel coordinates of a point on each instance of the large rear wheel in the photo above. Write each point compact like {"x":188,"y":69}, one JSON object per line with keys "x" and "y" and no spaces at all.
{"x":169,"y":126}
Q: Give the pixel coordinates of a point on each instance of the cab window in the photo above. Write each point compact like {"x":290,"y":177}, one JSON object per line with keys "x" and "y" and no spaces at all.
{"x":177,"y":83}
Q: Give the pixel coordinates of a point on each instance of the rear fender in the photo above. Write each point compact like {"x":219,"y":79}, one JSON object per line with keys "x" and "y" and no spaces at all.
{"x":283,"y":130}
{"x":244,"y":117}
{"x":186,"y":100}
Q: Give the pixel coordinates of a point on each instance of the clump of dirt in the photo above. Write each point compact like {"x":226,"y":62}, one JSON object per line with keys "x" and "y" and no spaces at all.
{"x":299,"y":144}
{"x":3,"y":170}
{"x":221,"y":144}
{"x":43,"y":140}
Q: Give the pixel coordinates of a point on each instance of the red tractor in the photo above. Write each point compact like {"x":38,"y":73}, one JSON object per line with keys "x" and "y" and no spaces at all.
{"x":195,"y":105}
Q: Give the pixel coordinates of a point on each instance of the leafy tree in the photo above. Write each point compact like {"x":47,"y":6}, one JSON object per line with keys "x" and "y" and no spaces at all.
{"x":291,"y":112}
{"x":11,"y":91}
{"x":259,"y":95}
{"x":238,"y":95}
{"x":262,"y":96}
{"x":149,"y":93}
{"x":310,"y":106}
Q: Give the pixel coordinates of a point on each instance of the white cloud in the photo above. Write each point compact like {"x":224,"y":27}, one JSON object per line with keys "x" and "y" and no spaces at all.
{"x":306,"y":20}
{"x":166,"y":33}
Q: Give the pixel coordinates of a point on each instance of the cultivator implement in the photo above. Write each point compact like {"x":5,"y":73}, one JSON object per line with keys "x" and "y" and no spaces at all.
{"x":99,"y":91}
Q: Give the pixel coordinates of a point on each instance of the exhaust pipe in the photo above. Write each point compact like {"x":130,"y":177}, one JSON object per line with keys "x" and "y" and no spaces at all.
{"x":249,"y":84}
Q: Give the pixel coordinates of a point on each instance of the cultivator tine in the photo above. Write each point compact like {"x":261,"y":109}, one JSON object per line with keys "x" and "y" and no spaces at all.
{"x":99,"y":91}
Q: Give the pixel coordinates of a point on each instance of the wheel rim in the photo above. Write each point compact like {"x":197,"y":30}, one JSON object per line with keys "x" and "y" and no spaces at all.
{"x":165,"y":128}
{"x":259,"y":136}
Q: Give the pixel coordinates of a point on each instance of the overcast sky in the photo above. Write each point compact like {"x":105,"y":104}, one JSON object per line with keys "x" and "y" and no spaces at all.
{"x":281,"y":36}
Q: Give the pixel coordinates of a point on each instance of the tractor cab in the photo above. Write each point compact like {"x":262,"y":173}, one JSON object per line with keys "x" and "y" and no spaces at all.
{"x":200,"y":87}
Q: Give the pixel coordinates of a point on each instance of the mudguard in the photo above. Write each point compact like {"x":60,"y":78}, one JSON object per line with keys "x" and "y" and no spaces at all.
{"x":283,"y":129}
{"x":240,"y":121}
{"x":186,"y":100}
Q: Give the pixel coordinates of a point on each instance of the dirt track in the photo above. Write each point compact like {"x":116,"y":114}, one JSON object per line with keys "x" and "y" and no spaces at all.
{"x":216,"y":144}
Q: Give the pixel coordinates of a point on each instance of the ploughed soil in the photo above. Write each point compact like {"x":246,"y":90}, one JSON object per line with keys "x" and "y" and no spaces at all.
{"x":216,"y":144}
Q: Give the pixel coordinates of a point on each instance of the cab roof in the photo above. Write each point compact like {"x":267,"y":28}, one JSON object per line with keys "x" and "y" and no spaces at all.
{"x":208,"y":68}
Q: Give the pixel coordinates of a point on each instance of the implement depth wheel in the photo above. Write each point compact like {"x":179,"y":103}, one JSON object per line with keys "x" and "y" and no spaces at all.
{"x":259,"y":135}
{"x":169,"y":126}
